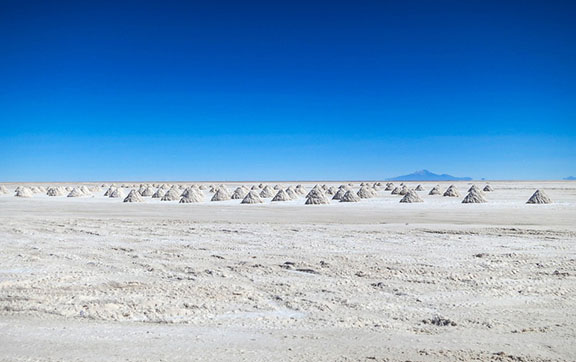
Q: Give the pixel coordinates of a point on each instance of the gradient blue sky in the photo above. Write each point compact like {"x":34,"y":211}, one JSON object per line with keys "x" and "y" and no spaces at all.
{"x":230,"y":90}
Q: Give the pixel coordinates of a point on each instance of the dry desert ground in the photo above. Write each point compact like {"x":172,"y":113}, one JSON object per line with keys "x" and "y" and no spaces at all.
{"x":92,"y":278}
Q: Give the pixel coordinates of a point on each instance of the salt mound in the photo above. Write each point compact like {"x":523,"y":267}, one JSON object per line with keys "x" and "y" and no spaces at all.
{"x":221,"y":195}
{"x":291,"y":193}
{"x":281,"y":196}
{"x":55,"y":191}
{"x":85,"y":190}
{"x":239,"y":193}
{"x":396,"y":191}
{"x":331,"y":191}
{"x":410,"y":197}
{"x":3,"y":189}
{"x":316,"y":197}
{"x":133,"y":196}
{"x":267,"y":192}
{"x":109,"y":191}
{"x":339,"y":194}
{"x":404,"y":190}
{"x":203,"y":187}
{"x":300,"y":190}
{"x":474,"y":197}
{"x":23,"y":192}
{"x":189,"y":198}
{"x":389,"y":186}
{"x":451,"y":192}
{"x":539,"y":197}
{"x":366,"y":192}
{"x":148,"y":191}
{"x":76,"y":192}
{"x":116,"y":194}
{"x":474,"y":188}
{"x":488,"y":188}
{"x":316,"y":188}
{"x":171,"y":195}
{"x":252,"y":198}
{"x":195,"y":195}
{"x":349,"y":196}
{"x":159,"y":193}
{"x":435,"y":191}
{"x":419,"y":188}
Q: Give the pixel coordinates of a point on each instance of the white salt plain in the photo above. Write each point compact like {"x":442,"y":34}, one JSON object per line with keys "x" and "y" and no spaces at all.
{"x":93,"y":278}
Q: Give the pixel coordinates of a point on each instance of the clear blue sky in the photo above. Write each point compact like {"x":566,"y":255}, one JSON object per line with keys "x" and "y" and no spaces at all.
{"x":234,"y":90}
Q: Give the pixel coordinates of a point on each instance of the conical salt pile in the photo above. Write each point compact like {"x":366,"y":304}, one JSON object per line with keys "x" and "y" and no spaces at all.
{"x":404,"y":190}
{"x":316,"y":197}
{"x":85,"y":190}
{"x":189,"y":198}
{"x":291,"y":193}
{"x":203,"y":187}
{"x":300,"y":190}
{"x":474,"y":188}
{"x":539,"y":197}
{"x":55,"y":191}
{"x":366,"y":192}
{"x":23,"y":192}
{"x":435,"y":191}
{"x":116,"y":194}
{"x":239,"y":193}
{"x":281,"y":196}
{"x":488,"y":188}
{"x":171,"y":195}
{"x":278,"y":187}
{"x":195,"y":195}
{"x":419,"y":188}
{"x":339,"y":194}
{"x":3,"y":189}
{"x":349,"y":196}
{"x":389,"y":186}
{"x":76,"y":192}
{"x":221,"y":195}
{"x":109,"y":191}
{"x":159,"y":193}
{"x":474,"y":197}
{"x":451,"y":192}
{"x":396,"y":190}
{"x":410,"y":197}
{"x":331,"y":191}
{"x":252,"y":198}
{"x":133,"y":196}
{"x":267,"y":192}
{"x":148,"y":191}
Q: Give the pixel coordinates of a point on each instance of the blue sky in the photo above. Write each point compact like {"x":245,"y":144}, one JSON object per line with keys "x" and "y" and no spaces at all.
{"x":180,"y":90}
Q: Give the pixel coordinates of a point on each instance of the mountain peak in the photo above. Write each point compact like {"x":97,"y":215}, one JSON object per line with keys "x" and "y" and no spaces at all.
{"x":425,"y":175}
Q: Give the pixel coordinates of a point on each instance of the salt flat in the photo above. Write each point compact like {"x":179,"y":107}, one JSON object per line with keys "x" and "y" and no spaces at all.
{"x":93,"y":278}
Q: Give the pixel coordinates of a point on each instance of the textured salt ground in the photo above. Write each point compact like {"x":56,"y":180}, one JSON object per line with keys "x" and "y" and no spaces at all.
{"x":77,"y":285}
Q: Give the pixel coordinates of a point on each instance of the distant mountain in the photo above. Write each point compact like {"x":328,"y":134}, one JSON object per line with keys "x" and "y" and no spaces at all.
{"x":569,"y":178}
{"x":426,"y":175}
